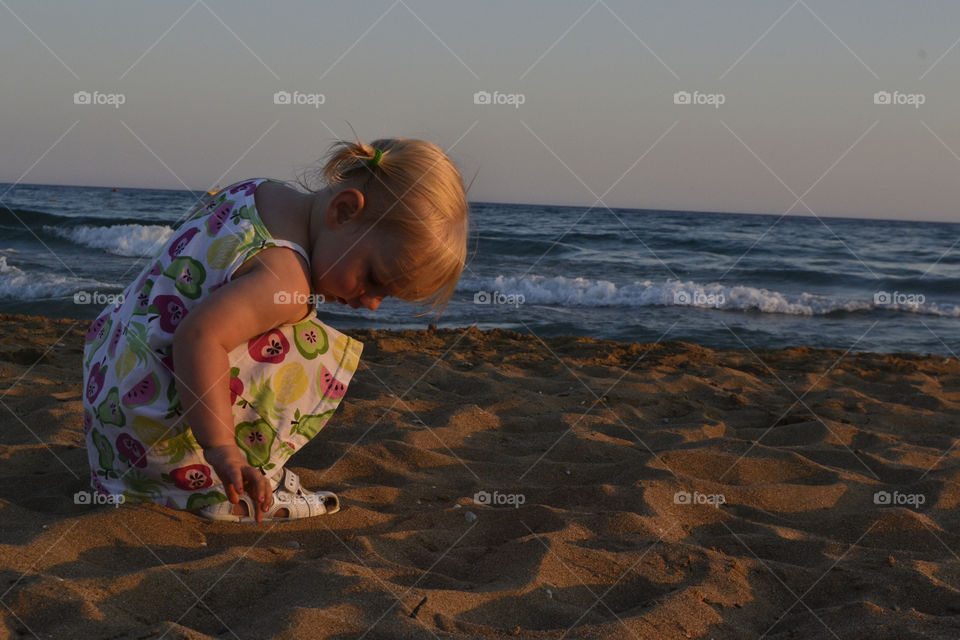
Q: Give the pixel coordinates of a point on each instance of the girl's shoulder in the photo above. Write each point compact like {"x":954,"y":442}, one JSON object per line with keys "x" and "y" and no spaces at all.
{"x":247,"y":187}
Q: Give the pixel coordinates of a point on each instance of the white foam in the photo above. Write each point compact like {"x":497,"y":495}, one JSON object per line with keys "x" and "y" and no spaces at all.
{"x":16,"y":284}
{"x":584,"y":292}
{"x":130,"y":240}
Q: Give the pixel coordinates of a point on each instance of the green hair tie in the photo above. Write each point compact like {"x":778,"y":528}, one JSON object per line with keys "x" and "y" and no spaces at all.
{"x":375,"y":160}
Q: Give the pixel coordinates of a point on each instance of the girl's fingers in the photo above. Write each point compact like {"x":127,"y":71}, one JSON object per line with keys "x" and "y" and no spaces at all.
{"x":237,"y":480}
{"x":255,"y":482}
{"x":232,"y":493}
{"x":263,"y":483}
{"x":264,"y":490}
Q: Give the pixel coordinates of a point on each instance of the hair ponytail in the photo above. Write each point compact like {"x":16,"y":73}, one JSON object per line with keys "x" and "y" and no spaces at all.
{"x":346,"y":160}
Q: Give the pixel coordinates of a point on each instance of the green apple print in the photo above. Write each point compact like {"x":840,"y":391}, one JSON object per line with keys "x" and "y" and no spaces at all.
{"x":198,"y":500}
{"x":178,"y":446}
{"x":188,"y":275}
{"x":174,"y":408}
{"x":105,"y":454}
{"x":140,"y":487}
{"x":310,"y":339}
{"x":285,"y":450}
{"x":256,"y":439}
{"x":109,"y":410}
{"x":262,"y":398}
{"x":137,"y":341}
{"x":243,"y":213}
{"x":309,"y":426}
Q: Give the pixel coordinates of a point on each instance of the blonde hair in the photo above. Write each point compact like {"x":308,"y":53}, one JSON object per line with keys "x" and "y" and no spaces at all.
{"x":417,"y":193}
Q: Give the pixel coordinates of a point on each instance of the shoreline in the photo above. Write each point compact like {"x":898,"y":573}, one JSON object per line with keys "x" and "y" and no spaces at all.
{"x":696,"y":492}
{"x":375,"y":333}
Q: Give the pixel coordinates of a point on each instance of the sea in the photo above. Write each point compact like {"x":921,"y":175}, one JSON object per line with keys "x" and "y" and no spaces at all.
{"x":722,"y":280}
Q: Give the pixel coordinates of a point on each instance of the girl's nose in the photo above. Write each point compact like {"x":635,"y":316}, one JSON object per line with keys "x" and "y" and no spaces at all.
{"x":370,"y":302}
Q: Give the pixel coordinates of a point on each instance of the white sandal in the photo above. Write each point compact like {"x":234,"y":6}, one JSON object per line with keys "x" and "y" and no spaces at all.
{"x":289,"y":495}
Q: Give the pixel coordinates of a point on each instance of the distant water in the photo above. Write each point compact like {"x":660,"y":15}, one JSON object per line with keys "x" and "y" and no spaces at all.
{"x":721,"y":280}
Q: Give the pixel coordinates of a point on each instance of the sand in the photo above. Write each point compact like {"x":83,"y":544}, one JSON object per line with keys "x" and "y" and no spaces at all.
{"x":778,"y":458}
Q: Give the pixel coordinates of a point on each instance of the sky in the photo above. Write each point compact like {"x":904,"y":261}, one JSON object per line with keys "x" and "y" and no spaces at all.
{"x":586,"y":104}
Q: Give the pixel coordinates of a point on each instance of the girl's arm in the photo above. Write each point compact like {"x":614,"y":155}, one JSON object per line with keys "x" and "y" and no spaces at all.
{"x":242,"y":309}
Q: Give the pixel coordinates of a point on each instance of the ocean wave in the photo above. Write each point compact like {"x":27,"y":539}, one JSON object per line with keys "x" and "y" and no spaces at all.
{"x":585,"y":292}
{"x":17,"y":284}
{"x":129,"y":240}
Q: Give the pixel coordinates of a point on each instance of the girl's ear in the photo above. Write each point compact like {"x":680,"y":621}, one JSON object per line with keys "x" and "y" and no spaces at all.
{"x":345,"y":206}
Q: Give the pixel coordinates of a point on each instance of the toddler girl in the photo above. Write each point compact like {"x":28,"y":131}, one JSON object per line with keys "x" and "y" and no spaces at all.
{"x":215,"y":369}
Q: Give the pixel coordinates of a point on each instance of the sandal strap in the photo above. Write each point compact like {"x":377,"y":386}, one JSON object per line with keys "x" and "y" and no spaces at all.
{"x":290,"y":482}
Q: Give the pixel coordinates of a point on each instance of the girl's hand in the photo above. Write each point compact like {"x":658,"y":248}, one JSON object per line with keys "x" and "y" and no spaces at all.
{"x":232,"y":469}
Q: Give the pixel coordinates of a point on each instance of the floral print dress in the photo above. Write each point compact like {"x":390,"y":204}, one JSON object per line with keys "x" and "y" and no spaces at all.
{"x":284,"y":385}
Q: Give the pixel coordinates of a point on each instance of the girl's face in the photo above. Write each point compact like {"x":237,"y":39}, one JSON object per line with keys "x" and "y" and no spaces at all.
{"x":350,"y":265}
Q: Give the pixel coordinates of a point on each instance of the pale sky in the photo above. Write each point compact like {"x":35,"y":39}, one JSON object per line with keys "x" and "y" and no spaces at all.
{"x":596,"y":81}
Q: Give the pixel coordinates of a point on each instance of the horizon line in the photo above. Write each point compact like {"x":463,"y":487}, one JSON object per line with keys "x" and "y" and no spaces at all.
{"x":535,"y":204}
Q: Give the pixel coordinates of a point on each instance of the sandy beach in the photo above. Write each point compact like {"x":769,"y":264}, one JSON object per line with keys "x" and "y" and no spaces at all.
{"x":629,"y":491}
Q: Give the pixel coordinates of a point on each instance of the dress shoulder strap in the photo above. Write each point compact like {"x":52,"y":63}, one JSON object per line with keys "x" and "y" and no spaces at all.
{"x":291,"y":245}
{"x":277,"y":241}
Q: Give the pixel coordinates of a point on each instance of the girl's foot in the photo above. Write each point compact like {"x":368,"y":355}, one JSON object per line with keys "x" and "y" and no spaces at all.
{"x":290,"y":502}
